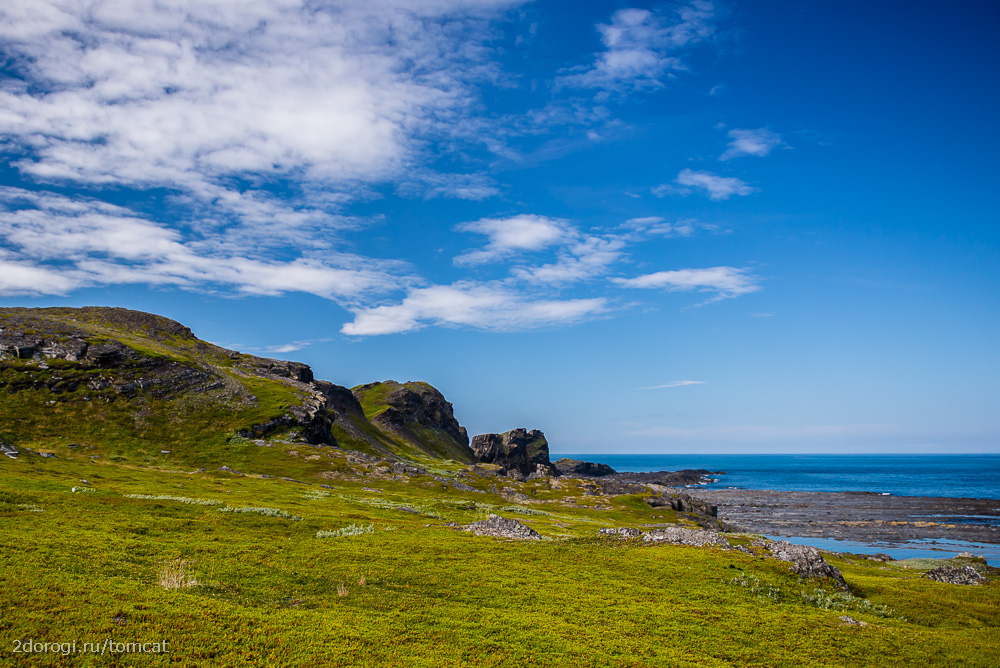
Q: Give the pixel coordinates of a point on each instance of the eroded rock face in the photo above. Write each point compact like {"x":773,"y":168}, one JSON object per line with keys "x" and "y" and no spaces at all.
{"x":956,"y":575}
{"x":576,"y":467}
{"x":500,"y":527}
{"x":519,"y":453}
{"x":682,"y":536}
{"x":806,"y":561}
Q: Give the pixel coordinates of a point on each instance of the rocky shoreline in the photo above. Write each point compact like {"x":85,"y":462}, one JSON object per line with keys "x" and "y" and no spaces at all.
{"x":857,"y":516}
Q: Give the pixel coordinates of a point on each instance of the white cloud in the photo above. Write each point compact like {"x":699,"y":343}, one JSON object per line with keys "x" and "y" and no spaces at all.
{"x":585,"y":259}
{"x":674,"y":383}
{"x":751,"y":142}
{"x":657,"y":226}
{"x":76,"y":243}
{"x":184,"y":94}
{"x":726,"y":281}
{"x":715,"y":186}
{"x":640,"y":47}
{"x":489,"y":307}
{"x":526,"y":232}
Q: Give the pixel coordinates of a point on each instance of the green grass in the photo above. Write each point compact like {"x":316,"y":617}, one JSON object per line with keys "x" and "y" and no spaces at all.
{"x":268,"y":592}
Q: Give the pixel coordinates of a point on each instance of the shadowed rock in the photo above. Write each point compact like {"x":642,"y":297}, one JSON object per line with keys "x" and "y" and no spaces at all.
{"x":574,"y":467}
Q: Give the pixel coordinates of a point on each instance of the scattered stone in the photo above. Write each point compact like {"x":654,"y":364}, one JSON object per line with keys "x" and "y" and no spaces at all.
{"x":9,"y":450}
{"x":682,"y":536}
{"x":806,"y":561}
{"x":48,"y":455}
{"x":462,"y":487}
{"x":503,"y":528}
{"x":620,"y":532}
{"x":956,"y":575}
{"x":850,"y":621}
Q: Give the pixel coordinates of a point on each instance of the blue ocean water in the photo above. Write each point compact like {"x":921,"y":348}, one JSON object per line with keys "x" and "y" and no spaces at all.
{"x":967,"y":476}
{"x":957,"y":476}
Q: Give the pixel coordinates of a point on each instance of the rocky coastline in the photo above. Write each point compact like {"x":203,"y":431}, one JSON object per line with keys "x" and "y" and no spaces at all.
{"x":857,"y":516}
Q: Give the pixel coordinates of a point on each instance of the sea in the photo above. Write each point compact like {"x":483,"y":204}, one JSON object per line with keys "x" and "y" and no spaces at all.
{"x":959,"y":476}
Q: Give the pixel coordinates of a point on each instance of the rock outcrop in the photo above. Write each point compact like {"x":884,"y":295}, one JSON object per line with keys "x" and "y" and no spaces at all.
{"x":519,"y":453}
{"x":500,"y":527}
{"x":418,"y":415}
{"x":682,"y":536}
{"x":575,"y":467}
{"x":956,"y":575}
{"x":806,"y":561}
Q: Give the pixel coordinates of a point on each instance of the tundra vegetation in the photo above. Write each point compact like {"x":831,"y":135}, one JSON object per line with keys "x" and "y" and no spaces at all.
{"x":145,"y":515}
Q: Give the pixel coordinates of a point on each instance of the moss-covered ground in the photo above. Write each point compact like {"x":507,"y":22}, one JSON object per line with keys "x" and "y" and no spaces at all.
{"x":401,"y":587}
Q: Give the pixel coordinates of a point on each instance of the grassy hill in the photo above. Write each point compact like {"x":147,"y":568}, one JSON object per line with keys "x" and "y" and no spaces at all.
{"x":143,"y":389}
{"x":120,"y":525}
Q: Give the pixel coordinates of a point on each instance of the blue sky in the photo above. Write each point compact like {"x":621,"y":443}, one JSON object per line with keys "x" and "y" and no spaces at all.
{"x":640,"y":227}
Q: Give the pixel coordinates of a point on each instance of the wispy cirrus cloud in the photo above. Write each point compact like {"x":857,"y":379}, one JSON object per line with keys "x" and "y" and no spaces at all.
{"x":759,"y":142}
{"x":479,"y":306}
{"x":715,"y":186}
{"x":674,"y":383}
{"x":641,"y":47}
{"x":726,"y":282}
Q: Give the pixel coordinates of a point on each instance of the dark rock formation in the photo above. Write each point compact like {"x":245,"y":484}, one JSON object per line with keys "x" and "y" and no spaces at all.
{"x":575,"y":467}
{"x":503,"y":528}
{"x":682,"y":536}
{"x":806,"y":561}
{"x":519,"y":453}
{"x":956,"y":575}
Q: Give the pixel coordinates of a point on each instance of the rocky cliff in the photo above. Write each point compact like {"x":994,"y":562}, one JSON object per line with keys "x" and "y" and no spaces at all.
{"x":519,"y":453}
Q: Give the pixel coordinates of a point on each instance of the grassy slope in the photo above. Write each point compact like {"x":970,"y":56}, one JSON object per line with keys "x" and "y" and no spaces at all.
{"x":195,"y":429}
{"x":432,"y":596}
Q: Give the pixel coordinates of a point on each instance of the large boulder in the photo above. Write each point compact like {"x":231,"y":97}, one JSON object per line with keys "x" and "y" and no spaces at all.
{"x":500,"y":527}
{"x":574,"y":467}
{"x":519,"y":453}
{"x":806,"y":561}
